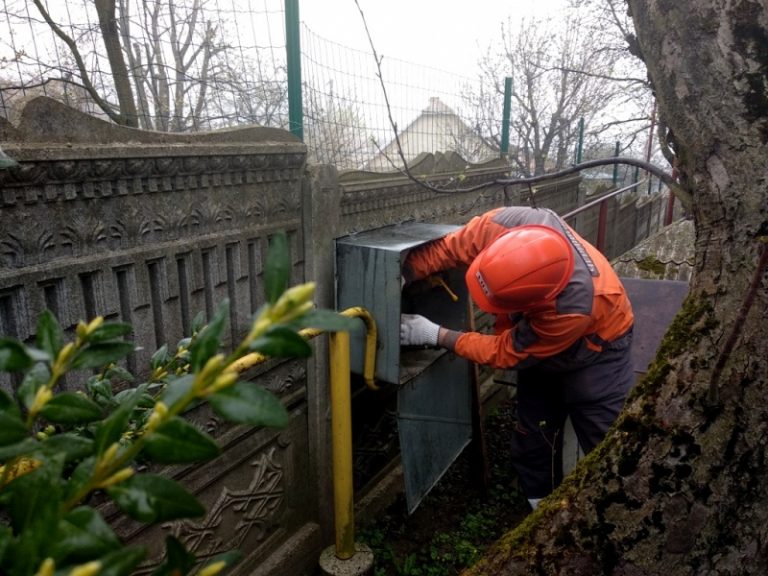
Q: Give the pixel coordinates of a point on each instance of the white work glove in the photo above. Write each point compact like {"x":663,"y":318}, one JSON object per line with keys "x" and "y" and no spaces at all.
{"x":416,"y":330}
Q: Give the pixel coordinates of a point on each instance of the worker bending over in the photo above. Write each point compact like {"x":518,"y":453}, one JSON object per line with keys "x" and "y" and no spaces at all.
{"x":563,"y":320}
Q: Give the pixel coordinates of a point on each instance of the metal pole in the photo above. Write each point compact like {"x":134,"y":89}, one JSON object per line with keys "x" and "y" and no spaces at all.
{"x":505,"y":116}
{"x":293,"y":64}
{"x":669,"y":213}
{"x":589,"y":205}
{"x":580,"y":149}
{"x":616,"y":166}
{"x":341,"y":426}
{"x":345,"y":547}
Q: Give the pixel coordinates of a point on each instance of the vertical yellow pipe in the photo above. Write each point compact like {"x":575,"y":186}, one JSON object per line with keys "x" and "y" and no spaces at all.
{"x":341,"y":429}
{"x":341,"y":418}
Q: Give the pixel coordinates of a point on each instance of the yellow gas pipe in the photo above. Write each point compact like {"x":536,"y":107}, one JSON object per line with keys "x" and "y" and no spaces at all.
{"x":341,"y":426}
{"x":341,"y":418}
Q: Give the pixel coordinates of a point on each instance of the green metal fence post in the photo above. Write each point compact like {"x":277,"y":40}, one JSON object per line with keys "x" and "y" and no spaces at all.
{"x":293,"y":63}
{"x":580,"y":148}
{"x":505,"y":116}
{"x":616,"y":166}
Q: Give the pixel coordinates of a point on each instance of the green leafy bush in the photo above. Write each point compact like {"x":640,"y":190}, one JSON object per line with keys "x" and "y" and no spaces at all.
{"x":60,"y":448}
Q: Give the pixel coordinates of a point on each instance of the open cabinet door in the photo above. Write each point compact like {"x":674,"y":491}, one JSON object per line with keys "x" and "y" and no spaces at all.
{"x":434,"y":402}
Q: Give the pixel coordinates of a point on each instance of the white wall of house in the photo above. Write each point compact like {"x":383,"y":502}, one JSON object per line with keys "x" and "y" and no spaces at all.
{"x":437,"y":129}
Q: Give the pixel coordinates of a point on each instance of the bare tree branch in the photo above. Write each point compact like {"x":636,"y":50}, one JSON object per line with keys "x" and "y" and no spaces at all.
{"x":608,"y":77}
{"x":683,"y":195}
{"x":107,"y":108}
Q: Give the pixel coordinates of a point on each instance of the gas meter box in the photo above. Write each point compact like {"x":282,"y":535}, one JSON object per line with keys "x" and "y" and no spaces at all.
{"x":434,"y":398}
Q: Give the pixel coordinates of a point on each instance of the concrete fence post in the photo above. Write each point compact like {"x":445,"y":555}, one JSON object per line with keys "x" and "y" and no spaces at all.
{"x":321,"y":224}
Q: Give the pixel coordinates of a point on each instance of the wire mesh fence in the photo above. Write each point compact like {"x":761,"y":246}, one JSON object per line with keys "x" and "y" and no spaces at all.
{"x":353,"y":102}
{"x":190,"y":65}
{"x":206,"y":64}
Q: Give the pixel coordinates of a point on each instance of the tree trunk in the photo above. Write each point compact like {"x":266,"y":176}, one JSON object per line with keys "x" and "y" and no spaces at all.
{"x":111,"y":36}
{"x":680,"y":485}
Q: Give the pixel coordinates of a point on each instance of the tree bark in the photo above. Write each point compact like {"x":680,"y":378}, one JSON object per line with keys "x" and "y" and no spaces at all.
{"x":111,"y":36}
{"x":680,"y":485}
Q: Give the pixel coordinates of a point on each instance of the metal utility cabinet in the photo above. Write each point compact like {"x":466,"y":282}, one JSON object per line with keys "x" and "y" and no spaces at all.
{"x":434,"y":401}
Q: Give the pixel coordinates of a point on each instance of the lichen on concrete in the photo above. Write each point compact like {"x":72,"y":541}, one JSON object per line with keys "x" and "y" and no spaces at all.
{"x":667,"y":255}
{"x":653,"y":265}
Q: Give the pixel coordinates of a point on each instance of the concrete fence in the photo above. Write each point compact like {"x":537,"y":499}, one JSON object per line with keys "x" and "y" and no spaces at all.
{"x":152,"y":229}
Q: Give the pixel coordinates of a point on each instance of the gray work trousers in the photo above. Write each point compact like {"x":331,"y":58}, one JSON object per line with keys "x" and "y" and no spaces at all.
{"x":592,"y":396}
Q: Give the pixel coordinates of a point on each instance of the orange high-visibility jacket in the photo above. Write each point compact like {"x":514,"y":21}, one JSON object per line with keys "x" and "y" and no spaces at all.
{"x":569,"y":332}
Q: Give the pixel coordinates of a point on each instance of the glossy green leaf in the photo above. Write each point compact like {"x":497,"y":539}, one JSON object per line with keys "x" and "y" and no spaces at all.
{"x":80,"y":476}
{"x":50,"y":336}
{"x":13,"y":356}
{"x":208,"y":340}
{"x":83,"y":535}
{"x":247,"y":403}
{"x":12,"y":428}
{"x":38,"y":355}
{"x":35,"y":498}
{"x":6,"y":537}
{"x":179,"y":441}
{"x":98,"y":354}
{"x":281,"y":342}
{"x":121,"y":373}
{"x":110,"y":331}
{"x":177,"y":389}
{"x":23,"y":555}
{"x":198,"y":322}
{"x":72,"y":445}
{"x":122,"y":562}
{"x":127,"y":395}
{"x":38,"y":375}
{"x":328,"y":320}
{"x":277,"y":269}
{"x":100,"y":390}
{"x":160,"y":357}
{"x":25,"y":446}
{"x":146,"y":401}
{"x":177,"y":561}
{"x":150,"y":498}
{"x":6,"y":403}
{"x":111,"y":428}
{"x":71,"y":408}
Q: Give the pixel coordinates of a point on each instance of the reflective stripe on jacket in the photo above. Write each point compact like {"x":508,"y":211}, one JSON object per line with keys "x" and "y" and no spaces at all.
{"x":591,"y":312}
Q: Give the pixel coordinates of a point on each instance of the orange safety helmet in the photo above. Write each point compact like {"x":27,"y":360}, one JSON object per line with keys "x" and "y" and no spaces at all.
{"x":521,"y":269}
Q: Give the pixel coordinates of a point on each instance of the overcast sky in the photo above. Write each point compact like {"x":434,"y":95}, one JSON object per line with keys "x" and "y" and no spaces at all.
{"x":427,"y":35}
{"x":448,"y":35}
